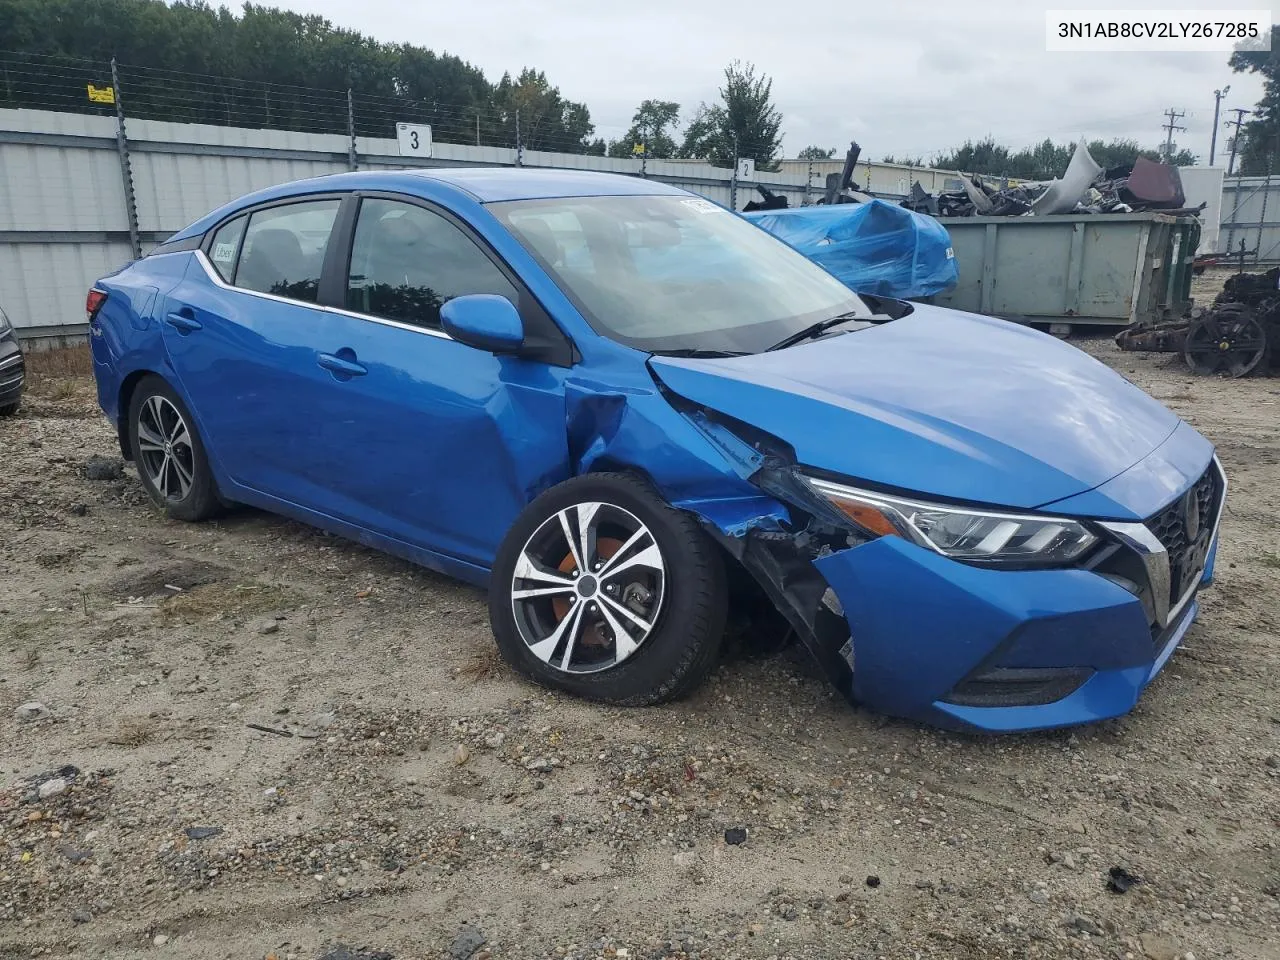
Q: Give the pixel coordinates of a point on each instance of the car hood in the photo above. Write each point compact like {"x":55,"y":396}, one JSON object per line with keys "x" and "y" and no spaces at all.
{"x":939,"y":402}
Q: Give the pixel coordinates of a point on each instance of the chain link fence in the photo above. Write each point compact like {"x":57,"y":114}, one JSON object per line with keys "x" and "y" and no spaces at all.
{"x":69,"y":85}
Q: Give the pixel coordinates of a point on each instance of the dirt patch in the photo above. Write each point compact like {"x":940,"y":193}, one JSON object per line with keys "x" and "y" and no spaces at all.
{"x":310,"y":744}
{"x":218,"y":600}
{"x":166,"y":581}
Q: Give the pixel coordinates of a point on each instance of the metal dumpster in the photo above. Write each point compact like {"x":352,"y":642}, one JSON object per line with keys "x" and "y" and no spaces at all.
{"x":1088,"y":269}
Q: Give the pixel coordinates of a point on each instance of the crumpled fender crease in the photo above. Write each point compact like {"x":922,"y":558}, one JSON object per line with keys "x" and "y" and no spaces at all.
{"x":517,"y":416}
{"x":696,"y":465}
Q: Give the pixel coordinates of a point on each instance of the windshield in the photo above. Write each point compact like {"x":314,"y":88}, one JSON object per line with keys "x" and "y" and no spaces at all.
{"x":673,"y":273}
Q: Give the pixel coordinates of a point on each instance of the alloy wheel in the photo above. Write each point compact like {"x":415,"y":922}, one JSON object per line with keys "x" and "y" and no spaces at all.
{"x":588,"y":588}
{"x":164,"y":445}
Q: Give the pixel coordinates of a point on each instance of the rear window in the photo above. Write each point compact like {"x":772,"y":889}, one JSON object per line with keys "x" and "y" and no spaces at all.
{"x":225,"y":247}
{"x":283,"y":249}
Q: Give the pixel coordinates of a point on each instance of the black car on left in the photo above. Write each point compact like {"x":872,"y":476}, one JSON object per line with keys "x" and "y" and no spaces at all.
{"x":12,"y":368}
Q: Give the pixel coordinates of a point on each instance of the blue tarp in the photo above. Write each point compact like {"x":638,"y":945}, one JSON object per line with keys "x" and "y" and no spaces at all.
{"x":876,"y":247}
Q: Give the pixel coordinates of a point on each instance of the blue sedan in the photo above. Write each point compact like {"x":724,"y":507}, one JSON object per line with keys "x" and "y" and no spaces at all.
{"x":624,"y":409}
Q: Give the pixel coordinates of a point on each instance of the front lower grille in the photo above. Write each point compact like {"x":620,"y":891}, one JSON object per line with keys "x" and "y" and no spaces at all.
{"x":1017,"y":686}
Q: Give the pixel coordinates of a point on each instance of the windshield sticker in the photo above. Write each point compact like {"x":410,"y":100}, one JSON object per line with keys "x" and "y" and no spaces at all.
{"x":224,"y":251}
{"x":702,"y":206}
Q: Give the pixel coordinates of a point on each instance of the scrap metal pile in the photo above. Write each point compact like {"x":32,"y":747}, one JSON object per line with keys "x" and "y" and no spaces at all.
{"x":1084,"y":188}
{"x":1233,"y":336}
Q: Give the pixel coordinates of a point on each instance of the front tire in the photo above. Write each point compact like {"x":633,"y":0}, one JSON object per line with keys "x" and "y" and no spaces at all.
{"x":9,"y":409}
{"x":169,"y":454}
{"x":603,"y":590}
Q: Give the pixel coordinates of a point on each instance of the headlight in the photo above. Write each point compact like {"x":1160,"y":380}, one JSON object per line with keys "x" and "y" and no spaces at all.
{"x":960,"y":532}
{"x":5,"y":326}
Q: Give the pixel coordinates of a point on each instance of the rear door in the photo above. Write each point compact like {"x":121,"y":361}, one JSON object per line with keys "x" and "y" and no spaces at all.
{"x":238,"y":330}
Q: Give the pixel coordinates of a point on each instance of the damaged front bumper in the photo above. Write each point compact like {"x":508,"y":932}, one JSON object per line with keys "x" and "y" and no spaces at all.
{"x":908,"y":632}
{"x":993,"y":650}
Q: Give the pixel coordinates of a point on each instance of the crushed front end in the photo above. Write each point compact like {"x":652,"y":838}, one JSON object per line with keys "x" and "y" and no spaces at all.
{"x":908,"y":631}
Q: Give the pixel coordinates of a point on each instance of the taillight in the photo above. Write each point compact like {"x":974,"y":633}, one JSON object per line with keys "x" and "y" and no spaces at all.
{"x":93,"y":303}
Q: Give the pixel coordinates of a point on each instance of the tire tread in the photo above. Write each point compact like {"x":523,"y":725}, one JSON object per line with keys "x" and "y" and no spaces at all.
{"x":203,"y":501}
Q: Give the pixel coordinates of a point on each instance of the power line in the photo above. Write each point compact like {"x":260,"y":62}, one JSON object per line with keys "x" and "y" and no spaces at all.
{"x":54,"y":83}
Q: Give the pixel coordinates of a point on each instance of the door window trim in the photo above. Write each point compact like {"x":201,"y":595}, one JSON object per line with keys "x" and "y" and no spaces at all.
{"x":202,"y":258}
{"x":335,"y":271}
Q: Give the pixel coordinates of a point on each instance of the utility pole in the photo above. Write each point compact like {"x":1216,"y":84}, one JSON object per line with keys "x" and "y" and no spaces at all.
{"x":1238,"y":123}
{"x":1217,"y":102}
{"x":1174,"y":116}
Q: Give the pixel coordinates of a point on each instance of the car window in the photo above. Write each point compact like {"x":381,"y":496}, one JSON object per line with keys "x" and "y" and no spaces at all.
{"x":406,"y":262}
{"x":284,"y":247}
{"x":225,"y":246}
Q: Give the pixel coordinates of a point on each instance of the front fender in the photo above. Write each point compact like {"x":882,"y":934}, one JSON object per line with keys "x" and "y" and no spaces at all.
{"x":694,"y":465}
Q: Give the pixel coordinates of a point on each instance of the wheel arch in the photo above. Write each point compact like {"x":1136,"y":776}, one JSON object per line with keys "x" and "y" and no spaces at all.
{"x":123,"y":402}
{"x":744,"y":586}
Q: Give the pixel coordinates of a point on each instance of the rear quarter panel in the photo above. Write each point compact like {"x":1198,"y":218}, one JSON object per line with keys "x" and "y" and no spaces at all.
{"x":125,"y":336}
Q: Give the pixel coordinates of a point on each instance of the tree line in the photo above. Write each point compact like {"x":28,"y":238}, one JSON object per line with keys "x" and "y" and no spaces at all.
{"x":1047,"y":159}
{"x":1258,"y":146}
{"x":743,"y":123}
{"x":191,"y":62}
{"x":188,"y":61}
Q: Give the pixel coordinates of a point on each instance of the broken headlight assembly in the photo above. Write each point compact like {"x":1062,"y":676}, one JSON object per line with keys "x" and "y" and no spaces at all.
{"x":968,"y":534}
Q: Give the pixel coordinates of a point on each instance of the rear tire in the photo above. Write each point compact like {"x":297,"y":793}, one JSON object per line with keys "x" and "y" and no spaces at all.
{"x":169,"y":454}
{"x":641,"y":624}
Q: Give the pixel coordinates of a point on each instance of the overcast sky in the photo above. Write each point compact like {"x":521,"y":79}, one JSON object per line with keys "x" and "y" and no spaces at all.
{"x":904,"y":77}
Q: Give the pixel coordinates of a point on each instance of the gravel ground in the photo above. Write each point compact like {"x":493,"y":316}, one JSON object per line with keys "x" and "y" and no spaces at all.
{"x":256,"y":740}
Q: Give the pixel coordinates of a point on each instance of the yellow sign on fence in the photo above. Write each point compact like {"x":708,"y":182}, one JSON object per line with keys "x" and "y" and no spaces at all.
{"x":101,"y":94}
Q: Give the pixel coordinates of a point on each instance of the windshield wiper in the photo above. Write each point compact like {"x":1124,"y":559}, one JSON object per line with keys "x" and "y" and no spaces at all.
{"x":701,"y":354}
{"x":813,"y":331}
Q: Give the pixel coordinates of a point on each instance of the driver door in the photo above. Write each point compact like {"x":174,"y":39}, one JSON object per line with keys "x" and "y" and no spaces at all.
{"x":423,"y":438}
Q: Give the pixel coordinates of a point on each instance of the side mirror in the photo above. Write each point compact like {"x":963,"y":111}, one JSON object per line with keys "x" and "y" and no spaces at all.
{"x":484,"y":321}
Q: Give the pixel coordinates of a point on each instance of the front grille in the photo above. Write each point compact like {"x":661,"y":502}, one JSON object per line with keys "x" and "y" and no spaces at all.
{"x":1170,"y":524}
{"x":1170,"y":527}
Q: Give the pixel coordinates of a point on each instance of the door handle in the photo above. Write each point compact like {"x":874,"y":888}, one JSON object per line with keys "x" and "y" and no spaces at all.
{"x":344,"y":368}
{"x":184,"y":322}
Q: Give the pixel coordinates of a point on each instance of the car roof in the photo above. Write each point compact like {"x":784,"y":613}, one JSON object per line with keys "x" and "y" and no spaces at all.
{"x":479,"y":184}
{"x":490,"y":184}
